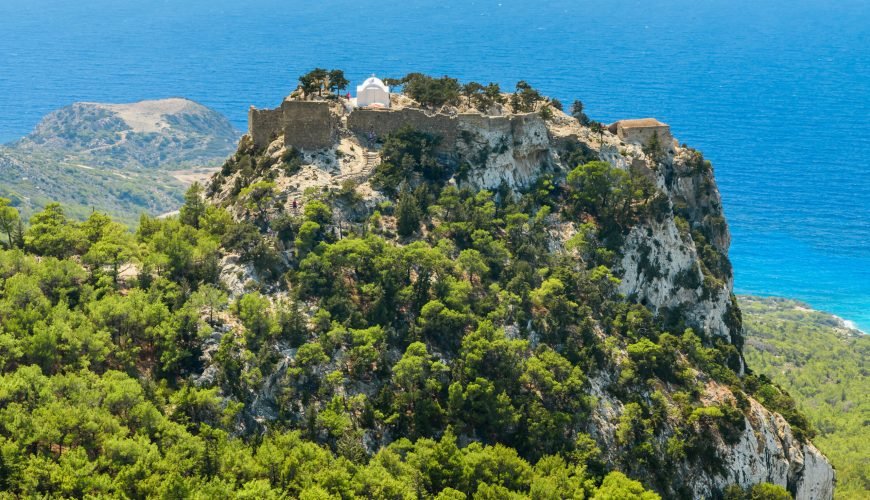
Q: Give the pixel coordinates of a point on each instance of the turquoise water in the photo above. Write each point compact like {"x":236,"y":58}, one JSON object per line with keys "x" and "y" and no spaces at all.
{"x":777,"y":94}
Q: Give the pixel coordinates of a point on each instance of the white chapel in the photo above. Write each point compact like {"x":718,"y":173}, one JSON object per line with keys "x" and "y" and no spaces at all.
{"x":373,"y":93}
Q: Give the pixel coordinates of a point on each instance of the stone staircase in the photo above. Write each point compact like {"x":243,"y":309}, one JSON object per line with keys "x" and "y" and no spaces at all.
{"x":373,"y":159}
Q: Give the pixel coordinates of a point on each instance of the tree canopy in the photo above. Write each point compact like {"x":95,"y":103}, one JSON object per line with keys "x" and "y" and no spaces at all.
{"x":437,"y":345}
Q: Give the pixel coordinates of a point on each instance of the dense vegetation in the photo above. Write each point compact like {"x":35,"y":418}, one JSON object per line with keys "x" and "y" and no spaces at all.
{"x":96,"y":397}
{"x":824,"y":366}
{"x":437,"y":347}
{"x":432,"y":92}
{"x":32,"y":180}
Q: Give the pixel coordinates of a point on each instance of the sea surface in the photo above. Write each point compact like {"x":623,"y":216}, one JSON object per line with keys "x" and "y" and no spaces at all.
{"x":775,"y":93}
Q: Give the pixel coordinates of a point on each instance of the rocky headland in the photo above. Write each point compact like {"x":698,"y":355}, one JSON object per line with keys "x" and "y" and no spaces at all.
{"x":672,"y":261}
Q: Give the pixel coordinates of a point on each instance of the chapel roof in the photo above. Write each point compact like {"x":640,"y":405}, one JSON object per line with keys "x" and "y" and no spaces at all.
{"x":641,"y":123}
{"x":374,"y":81}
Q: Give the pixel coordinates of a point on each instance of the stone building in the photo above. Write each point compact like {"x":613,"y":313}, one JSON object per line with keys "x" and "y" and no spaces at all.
{"x":640,"y":131}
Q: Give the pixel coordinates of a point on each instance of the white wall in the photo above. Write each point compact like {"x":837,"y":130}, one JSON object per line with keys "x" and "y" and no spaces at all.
{"x":371,"y":96}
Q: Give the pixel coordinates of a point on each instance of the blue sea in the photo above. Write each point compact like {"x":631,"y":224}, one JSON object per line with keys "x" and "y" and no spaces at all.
{"x":775,"y":93}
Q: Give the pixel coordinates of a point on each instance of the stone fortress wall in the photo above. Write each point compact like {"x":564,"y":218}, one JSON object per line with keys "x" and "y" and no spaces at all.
{"x":310,"y":125}
{"x":264,"y":125}
{"x":381,"y":122}
{"x":313,"y":125}
{"x":305,"y":125}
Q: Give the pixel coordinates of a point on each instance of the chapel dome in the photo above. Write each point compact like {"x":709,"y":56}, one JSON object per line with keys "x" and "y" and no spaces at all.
{"x":374,"y":81}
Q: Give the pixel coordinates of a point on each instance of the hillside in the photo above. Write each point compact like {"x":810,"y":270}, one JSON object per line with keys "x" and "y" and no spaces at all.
{"x":121,"y":158}
{"x":150,"y":134}
{"x":502,"y":301}
{"x":823,"y":364}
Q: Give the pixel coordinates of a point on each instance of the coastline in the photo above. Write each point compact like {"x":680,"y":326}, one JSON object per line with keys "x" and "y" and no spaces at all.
{"x":847,"y":326}
{"x":850,"y":324}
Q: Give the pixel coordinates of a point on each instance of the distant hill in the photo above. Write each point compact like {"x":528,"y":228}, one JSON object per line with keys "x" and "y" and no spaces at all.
{"x":121,"y":158}
{"x":822,"y":362}
{"x":152,"y":134}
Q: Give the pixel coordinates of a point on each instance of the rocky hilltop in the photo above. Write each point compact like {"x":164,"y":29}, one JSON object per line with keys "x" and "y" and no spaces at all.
{"x":124,"y":159}
{"x":149,"y":134}
{"x":622,"y":246}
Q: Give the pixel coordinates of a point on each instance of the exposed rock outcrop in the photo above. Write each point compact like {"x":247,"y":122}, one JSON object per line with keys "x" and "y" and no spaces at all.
{"x":765,"y":451}
{"x":505,"y":150}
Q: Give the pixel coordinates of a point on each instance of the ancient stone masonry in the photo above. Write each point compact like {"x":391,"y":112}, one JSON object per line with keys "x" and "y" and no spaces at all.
{"x":449,"y":128}
{"x":306,"y":125}
{"x":264,"y":125}
{"x":379,"y":123}
{"x":309,"y":125}
{"x":642,"y":130}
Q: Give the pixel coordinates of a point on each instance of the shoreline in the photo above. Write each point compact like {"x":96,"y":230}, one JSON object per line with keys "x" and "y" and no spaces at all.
{"x":850,"y":324}
{"x":843,"y":323}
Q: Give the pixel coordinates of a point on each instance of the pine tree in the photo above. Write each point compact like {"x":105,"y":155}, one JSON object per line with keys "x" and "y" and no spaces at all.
{"x":407,"y":214}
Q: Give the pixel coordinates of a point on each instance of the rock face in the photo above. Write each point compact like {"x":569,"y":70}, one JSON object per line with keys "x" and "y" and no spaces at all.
{"x":768,"y":452}
{"x":676,"y":264}
{"x":679,"y":263}
{"x":765,"y":451}
{"x":660,"y":269}
{"x":511,"y":151}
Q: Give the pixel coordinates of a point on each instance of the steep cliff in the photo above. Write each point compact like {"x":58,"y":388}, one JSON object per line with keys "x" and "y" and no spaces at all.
{"x":677,"y":264}
{"x":679,"y":411}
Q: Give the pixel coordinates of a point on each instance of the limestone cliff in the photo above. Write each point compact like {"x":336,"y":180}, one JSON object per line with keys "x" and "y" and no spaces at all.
{"x":675,"y":263}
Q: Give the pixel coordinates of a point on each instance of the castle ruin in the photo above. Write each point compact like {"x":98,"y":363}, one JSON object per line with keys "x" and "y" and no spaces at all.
{"x":312,"y":125}
{"x":309,"y":125}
